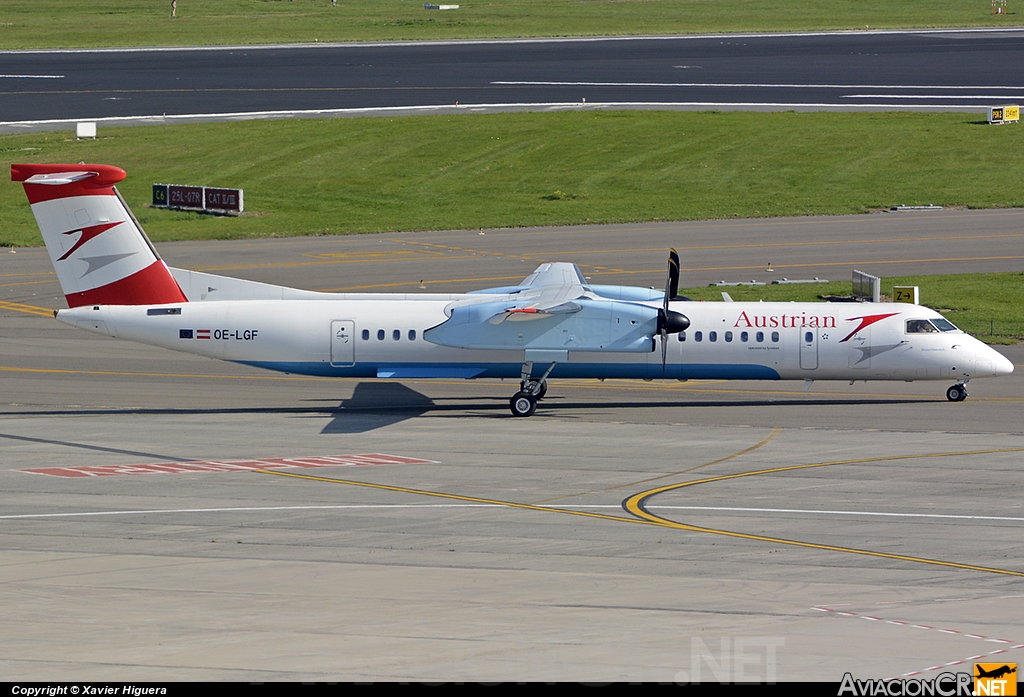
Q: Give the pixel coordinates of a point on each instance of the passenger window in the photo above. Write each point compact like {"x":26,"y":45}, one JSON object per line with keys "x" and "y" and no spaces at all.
{"x":366,"y":335}
{"x":728,"y":336}
{"x":412,"y":335}
{"x":712,"y":336}
{"x":380,"y":334}
{"x":809,"y":337}
{"x":682,"y":336}
{"x":744,"y":336}
{"x":760,"y":337}
{"x":775,"y":337}
{"x":698,"y":336}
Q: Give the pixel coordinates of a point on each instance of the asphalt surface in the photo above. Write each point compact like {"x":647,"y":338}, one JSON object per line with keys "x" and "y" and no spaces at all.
{"x":965,"y":70}
{"x":874,"y":530}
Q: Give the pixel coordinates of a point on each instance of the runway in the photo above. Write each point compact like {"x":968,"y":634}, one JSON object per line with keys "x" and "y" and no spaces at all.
{"x":946,"y":70}
{"x":677,"y":532}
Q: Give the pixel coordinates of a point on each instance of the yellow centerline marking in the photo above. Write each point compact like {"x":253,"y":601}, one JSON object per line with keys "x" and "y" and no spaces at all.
{"x":415,"y":284}
{"x":680,"y":226}
{"x":753,"y":245}
{"x":828,"y":264}
{"x":332,"y":260}
{"x":636,"y":505}
{"x":22,"y":275}
{"x":771,"y":436}
{"x":27,"y":283}
{"x":457,"y":497}
{"x":27,"y":309}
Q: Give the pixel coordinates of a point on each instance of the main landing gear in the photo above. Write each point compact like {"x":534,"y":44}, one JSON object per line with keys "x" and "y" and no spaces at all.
{"x":957,"y":393}
{"x":531,"y":391}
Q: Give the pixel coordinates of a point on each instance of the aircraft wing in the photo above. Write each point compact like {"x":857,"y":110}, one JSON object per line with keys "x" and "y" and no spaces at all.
{"x":550,"y":289}
{"x":552,"y":309}
{"x":556,"y":274}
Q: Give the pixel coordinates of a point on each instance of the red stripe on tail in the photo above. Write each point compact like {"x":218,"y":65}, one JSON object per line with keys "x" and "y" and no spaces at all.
{"x":154,"y":285}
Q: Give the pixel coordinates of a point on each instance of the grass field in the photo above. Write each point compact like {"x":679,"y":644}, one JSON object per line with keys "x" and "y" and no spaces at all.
{"x":59,"y":23}
{"x":340,"y":176}
{"x":505,"y":170}
{"x":989,"y":306}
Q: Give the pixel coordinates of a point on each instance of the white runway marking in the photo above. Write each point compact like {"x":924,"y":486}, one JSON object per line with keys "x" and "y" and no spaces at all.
{"x":933,"y":96}
{"x":30,"y":77}
{"x":826,"y":512}
{"x":243,"y":509}
{"x":168,"y":119}
{"x":488,"y":505}
{"x":766,"y":85}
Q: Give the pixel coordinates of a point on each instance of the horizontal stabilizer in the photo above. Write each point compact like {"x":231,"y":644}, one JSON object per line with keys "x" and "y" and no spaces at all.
{"x":199,"y":287}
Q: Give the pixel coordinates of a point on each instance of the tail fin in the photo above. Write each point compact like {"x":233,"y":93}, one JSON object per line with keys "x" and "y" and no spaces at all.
{"x":98,"y":249}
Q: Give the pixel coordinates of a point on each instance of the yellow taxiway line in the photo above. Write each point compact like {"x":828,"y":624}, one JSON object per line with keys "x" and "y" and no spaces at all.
{"x":636,"y":505}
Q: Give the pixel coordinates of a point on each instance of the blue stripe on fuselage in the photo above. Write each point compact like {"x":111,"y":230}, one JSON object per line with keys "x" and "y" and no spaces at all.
{"x":685,"y":371}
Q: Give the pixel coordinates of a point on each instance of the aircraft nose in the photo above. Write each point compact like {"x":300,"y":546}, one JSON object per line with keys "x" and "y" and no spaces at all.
{"x":1003,"y":364}
{"x":990,"y":362}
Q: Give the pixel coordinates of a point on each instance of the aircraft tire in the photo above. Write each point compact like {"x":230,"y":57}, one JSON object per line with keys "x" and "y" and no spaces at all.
{"x":523,"y":404}
{"x":956,"y":393}
{"x":538,"y":389}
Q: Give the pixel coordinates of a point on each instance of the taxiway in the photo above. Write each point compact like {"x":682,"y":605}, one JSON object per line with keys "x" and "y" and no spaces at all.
{"x":872,"y":529}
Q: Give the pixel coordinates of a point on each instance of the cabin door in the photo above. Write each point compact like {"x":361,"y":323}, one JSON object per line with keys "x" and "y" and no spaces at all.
{"x":343,"y":342}
{"x":808,"y":348}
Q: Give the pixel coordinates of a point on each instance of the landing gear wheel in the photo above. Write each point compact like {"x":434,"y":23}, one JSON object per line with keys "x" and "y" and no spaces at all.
{"x":956,"y":393}
{"x":523,"y":404}
{"x":538,"y":388}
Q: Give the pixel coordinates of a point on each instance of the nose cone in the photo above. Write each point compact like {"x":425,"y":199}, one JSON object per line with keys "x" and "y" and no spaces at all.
{"x":990,"y":363}
{"x":1003,"y":364}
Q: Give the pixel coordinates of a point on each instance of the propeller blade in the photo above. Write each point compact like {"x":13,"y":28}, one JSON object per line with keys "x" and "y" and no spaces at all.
{"x":672,"y":288}
{"x":669,"y":321}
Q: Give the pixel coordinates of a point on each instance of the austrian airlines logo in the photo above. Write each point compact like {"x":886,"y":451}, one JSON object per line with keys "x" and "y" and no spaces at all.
{"x":865,"y":321}
{"x":87,"y":234}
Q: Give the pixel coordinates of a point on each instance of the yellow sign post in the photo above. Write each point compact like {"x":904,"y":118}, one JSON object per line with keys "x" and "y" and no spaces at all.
{"x":1004,"y":114}
{"x":905,"y":294}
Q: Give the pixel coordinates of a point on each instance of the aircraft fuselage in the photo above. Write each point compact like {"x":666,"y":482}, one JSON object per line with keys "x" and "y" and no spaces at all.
{"x":383,"y":336}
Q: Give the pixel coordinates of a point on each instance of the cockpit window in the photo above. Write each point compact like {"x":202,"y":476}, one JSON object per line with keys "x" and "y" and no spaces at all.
{"x":920,"y":326}
{"x":932,"y":326}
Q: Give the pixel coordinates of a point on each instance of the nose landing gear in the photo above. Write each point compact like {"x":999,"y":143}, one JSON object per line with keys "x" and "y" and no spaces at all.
{"x":523,"y":403}
{"x":957,"y":393}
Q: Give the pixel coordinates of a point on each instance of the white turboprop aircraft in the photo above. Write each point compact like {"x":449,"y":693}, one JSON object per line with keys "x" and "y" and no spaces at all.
{"x":116,"y":284}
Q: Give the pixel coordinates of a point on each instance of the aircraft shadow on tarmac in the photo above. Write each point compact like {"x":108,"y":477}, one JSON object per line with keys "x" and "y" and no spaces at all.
{"x":375,"y":405}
